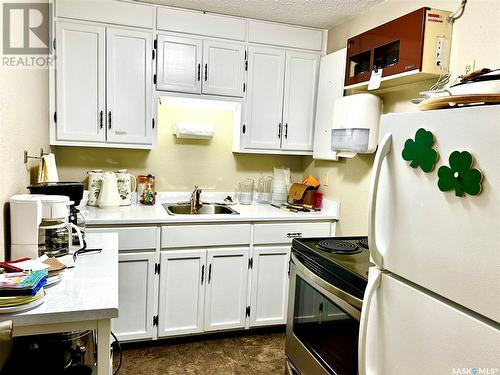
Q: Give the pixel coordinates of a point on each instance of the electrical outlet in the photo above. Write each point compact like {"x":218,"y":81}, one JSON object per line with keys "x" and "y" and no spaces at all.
{"x":468,"y":66}
{"x":441,"y":48}
{"x":324,"y":180}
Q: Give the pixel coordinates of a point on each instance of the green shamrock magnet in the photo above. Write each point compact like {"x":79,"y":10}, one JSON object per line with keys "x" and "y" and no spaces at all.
{"x":420,"y":151}
{"x":460,"y":175}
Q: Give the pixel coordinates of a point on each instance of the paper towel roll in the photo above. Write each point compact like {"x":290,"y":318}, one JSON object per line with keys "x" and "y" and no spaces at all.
{"x":194,"y":130}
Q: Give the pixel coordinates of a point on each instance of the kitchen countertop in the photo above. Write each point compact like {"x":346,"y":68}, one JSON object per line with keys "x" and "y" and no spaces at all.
{"x":140,"y":214}
{"x":89,"y":291}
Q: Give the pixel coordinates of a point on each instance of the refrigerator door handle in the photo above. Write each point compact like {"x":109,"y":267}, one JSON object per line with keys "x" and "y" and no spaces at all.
{"x":374,"y":278}
{"x":383,"y":151}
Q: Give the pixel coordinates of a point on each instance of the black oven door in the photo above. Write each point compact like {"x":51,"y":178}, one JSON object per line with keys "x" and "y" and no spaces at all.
{"x":322,"y":325}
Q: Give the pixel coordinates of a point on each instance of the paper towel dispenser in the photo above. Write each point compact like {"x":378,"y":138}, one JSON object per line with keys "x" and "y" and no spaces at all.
{"x":355,"y":124}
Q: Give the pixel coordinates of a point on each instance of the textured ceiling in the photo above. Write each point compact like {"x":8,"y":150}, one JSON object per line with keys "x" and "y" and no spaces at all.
{"x":316,"y":13}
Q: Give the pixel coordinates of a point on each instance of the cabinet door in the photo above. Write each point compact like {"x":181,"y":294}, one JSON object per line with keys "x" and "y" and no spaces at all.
{"x":80,"y":82}
{"x":223,"y":68}
{"x":179,"y":64}
{"x":129,"y":86}
{"x":182,"y":278}
{"x":299,"y":104}
{"x":226,"y":289}
{"x":269,"y":289}
{"x":266,"y":70}
{"x":330,"y":88}
{"x":136,"y":291}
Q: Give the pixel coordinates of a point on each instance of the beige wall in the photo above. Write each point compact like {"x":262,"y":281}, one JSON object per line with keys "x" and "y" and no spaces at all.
{"x":23,"y":126}
{"x":179,"y":164}
{"x":475,"y":36}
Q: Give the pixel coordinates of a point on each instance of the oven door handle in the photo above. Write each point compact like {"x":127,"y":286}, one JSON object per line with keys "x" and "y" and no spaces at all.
{"x":383,"y":150}
{"x":349,"y":298}
{"x":374,"y":277}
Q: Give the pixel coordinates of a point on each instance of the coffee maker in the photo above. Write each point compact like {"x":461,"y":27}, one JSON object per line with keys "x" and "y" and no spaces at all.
{"x":73,"y":190}
{"x":40,"y":225}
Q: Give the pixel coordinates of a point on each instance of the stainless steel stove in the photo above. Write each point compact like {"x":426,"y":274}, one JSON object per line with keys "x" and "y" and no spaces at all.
{"x":328,"y":277}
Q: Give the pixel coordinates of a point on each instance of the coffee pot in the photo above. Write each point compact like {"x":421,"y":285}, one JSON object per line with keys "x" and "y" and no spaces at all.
{"x":109,"y":196}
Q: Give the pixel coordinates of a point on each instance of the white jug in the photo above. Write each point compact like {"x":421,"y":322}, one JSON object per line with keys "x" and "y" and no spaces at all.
{"x":126,"y":185}
{"x":109,"y":196}
{"x":95,"y":182}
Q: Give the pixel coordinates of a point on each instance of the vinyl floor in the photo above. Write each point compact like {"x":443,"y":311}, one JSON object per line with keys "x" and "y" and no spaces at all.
{"x":241,"y":353}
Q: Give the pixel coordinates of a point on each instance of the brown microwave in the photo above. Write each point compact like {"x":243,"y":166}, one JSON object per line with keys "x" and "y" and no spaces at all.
{"x":418,"y":42}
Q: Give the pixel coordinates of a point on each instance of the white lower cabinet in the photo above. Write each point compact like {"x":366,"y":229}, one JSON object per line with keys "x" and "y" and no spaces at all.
{"x":202,"y":290}
{"x":136,"y":272}
{"x":204,"y":282}
{"x":269,"y":286}
{"x":226,"y":288}
{"x":182,"y":292}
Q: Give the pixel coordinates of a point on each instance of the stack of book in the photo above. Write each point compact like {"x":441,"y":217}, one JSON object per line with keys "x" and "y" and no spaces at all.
{"x":20,"y":290}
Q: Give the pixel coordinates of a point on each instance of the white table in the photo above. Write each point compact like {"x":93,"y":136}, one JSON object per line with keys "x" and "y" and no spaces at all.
{"x":85,"y":299}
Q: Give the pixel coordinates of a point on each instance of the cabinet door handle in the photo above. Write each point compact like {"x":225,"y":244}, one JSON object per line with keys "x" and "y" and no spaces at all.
{"x":209,"y":273}
{"x":101,"y":116}
{"x":199,"y":72}
{"x":294,"y":235}
{"x":279,"y":129}
{"x":109,"y":120}
{"x":202,"y":274}
{"x":206,"y":72}
{"x":286,"y":130}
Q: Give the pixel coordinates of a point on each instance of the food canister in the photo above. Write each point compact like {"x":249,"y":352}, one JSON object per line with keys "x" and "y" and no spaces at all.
{"x":146,"y":183}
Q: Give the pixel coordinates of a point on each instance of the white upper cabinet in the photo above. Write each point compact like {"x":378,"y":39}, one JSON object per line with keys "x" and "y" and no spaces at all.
{"x":200,"y":66}
{"x":133,"y":14}
{"x":266,"y":68}
{"x":200,"y":23}
{"x":129,"y":86}
{"x":279,"y":34}
{"x":281,"y":103}
{"x":224,"y":68}
{"x":299,"y":104}
{"x":80,"y":80}
{"x":104,"y":81}
{"x":179,"y":64}
{"x":104,"y":89}
{"x":226,"y":288}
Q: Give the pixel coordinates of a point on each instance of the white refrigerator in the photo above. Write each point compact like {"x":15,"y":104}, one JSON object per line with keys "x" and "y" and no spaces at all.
{"x":432,"y":304}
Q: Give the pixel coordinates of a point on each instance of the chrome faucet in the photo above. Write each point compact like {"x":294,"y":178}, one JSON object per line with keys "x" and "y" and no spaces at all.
{"x":195,"y":200}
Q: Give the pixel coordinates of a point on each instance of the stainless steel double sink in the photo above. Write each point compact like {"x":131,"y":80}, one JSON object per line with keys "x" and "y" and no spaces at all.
{"x":206,"y":209}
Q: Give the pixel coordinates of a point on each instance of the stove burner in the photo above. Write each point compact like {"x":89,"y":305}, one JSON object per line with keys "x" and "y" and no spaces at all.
{"x":339,"y":247}
{"x":363,"y":243}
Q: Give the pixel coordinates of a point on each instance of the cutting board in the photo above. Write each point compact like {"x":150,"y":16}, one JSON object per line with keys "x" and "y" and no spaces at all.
{"x":458,"y":101}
